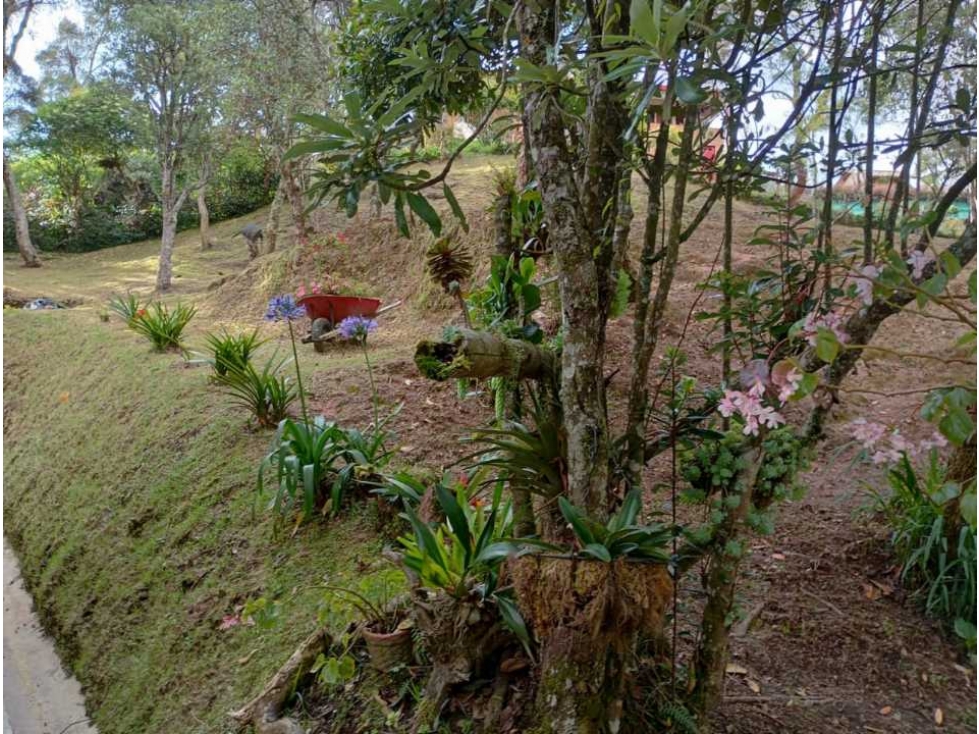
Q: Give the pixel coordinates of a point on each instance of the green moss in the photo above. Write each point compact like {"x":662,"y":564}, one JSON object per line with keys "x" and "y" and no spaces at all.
{"x":130,"y":500}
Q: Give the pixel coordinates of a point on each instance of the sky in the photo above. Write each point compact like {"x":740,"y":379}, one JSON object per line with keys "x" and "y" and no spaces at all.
{"x":41,"y":30}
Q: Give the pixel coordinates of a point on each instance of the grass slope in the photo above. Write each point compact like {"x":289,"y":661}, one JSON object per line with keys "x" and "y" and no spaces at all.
{"x":129,"y":496}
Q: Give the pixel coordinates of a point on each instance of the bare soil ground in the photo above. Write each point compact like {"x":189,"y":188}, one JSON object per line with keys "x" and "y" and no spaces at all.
{"x":836,"y":644}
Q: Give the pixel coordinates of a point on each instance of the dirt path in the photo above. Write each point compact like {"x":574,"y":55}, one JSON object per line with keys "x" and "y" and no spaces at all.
{"x":38,"y":696}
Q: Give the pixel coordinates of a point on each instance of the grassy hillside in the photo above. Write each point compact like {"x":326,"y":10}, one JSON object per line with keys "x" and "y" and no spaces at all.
{"x":129,"y":496}
{"x":130,"y":480}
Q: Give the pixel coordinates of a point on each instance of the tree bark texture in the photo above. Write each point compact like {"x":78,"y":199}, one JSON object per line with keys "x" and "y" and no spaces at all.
{"x":170,"y":202}
{"x":295,"y":196}
{"x":271,"y":231}
{"x":27,"y":250}
{"x":205,"y":219}
{"x":481,"y":354}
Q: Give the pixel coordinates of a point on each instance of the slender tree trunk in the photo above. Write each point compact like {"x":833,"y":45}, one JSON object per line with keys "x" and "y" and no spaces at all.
{"x":868,"y":169}
{"x":271,"y":231}
{"x":205,"y":219}
{"x":27,"y":250}
{"x":918,"y":116}
{"x":295,"y":196}
{"x":710,"y":658}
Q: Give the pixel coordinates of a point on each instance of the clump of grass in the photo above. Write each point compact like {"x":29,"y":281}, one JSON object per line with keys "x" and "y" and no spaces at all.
{"x":933,"y":539}
{"x":163,"y":326}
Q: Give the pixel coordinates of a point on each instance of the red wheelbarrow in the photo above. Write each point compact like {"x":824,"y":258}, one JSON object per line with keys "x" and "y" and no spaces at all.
{"x":327,"y":311}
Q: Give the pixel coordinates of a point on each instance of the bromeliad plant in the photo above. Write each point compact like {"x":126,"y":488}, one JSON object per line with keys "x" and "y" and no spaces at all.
{"x":226,"y":351}
{"x":127,"y":307}
{"x":621,"y":536}
{"x":163,"y":326}
{"x":266,"y":393}
{"x":463,"y":555}
{"x":315,"y":463}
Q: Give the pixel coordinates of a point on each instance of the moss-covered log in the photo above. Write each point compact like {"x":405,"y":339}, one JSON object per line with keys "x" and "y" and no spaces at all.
{"x":481,"y":354}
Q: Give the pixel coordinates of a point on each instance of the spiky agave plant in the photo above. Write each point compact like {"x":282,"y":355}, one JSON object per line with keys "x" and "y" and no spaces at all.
{"x":450,"y":265}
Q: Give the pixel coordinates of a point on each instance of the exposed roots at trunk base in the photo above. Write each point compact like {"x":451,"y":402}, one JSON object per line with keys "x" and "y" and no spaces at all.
{"x":460,"y":635}
{"x":587,"y":615}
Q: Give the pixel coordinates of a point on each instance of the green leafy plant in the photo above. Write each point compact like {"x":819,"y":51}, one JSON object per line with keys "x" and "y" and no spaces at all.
{"x":127,"y":307}
{"x":265,"y":613}
{"x":463,"y":554}
{"x":531,"y":459}
{"x":372,"y":599}
{"x":714,"y":465}
{"x":508,"y":297}
{"x":163,"y":326}
{"x":621,"y":536}
{"x":316,"y":462}
{"x":402,"y":488}
{"x":231,"y":351}
{"x":933,"y":531}
{"x":265,"y":393}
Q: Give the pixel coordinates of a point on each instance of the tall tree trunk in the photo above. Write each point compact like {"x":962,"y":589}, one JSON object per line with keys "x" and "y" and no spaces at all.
{"x":24,"y":244}
{"x":295,"y":197}
{"x":271,"y":232}
{"x":205,"y":219}
{"x":170,"y":202}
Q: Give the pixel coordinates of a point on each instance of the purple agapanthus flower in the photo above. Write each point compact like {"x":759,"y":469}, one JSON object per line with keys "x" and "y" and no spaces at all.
{"x":357,"y":327}
{"x":284,"y":308}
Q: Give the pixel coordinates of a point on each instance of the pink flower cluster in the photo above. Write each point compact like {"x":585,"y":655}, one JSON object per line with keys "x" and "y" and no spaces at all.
{"x":750,"y":406}
{"x":887,"y":445}
{"x":918,"y":261}
{"x":865,"y":283}
{"x":314,"y":290}
{"x":832,"y":321}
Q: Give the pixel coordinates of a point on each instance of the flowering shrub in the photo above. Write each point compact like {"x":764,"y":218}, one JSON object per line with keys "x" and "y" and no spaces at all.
{"x":884,"y":445}
{"x":776,"y":386}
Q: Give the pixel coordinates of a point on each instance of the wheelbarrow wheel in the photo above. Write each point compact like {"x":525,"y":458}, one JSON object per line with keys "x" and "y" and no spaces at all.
{"x":319,"y":328}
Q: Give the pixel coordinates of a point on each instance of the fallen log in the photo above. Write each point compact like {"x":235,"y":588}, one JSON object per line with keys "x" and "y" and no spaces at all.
{"x":480,"y":354}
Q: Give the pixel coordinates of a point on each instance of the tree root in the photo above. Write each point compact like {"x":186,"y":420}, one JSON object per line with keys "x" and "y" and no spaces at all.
{"x":263,"y":712}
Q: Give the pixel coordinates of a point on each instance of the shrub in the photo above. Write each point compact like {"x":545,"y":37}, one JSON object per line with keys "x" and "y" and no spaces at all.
{"x":163,"y":326}
{"x":934,"y":537}
{"x":231,"y":351}
{"x":265,"y":393}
